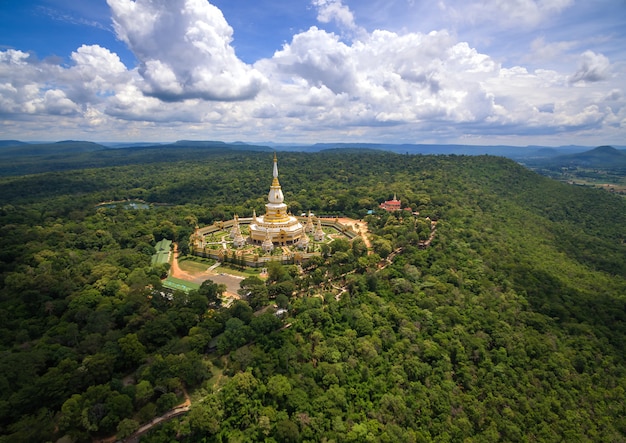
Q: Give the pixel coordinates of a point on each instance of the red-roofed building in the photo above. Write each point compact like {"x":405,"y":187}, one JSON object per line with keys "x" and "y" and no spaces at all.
{"x":391,"y":205}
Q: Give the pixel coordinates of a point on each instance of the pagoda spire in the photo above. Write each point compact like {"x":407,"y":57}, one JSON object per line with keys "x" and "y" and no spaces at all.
{"x":267,"y":244}
{"x":319,"y":233}
{"x":275,"y":173}
{"x":275,"y":195}
{"x":309,"y":223}
{"x":235,"y":229}
{"x":277,"y":226}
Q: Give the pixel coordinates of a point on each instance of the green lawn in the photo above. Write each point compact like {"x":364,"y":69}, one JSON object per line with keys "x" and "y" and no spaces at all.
{"x":193,"y":266}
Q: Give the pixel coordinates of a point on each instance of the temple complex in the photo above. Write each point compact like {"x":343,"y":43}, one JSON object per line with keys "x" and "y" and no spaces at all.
{"x":277,"y":225}
{"x":275,"y":236}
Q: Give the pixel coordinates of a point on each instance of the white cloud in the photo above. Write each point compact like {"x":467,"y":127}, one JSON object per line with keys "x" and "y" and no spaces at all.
{"x":421,"y":83}
{"x":384,"y":79}
{"x":25,"y":86}
{"x":184,"y":49}
{"x":319,"y":58}
{"x":95,"y":61}
{"x":592,"y":67}
{"x":334,"y":10}
{"x":381,"y":85}
{"x":56,"y":102}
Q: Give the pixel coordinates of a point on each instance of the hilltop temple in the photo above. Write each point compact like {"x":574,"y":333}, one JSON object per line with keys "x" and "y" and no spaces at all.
{"x":275,"y":236}
{"x":277,"y":226}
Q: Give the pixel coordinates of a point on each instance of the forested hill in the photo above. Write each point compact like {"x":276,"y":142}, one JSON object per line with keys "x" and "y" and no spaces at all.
{"x":510,"y":327}
{"x":72,"y":155}
{"x":600,"y":157}
{"x":18,"y":149}
{"x":8,"y":143}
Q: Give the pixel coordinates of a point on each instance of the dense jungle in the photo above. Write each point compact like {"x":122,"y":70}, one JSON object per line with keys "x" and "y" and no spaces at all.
{"x":510,"y":326}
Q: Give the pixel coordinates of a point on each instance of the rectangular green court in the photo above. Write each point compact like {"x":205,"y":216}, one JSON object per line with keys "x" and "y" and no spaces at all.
{"x":180,"y":285}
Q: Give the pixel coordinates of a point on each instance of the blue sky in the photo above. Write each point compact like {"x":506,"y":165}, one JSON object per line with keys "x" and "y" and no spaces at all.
{"x":546,"y":72}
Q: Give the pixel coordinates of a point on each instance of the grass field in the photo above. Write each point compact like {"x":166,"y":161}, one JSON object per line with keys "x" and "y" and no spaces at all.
{"x":192,"y":266}
{"x":180,"y":285}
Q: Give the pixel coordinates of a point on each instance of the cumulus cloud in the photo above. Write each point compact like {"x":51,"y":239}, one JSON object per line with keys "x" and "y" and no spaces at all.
{"x":41,"y":88}
{"x":334,"y":10}
{"x":385,"y":78}
{"x":381,"y":85}
{"x":423,"y":83}
{"x":184,"y":49}
{"x":592,"y":67}
{"x":319,"y":58}
{"x":27,"y":86}
{"x":56,"y":102}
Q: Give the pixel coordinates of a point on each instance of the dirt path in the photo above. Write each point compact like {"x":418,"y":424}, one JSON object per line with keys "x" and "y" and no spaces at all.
{"x":174,"y":412}
{"x":175,"y":270}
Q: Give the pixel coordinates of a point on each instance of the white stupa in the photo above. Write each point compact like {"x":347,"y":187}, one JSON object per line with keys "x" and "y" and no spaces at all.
{"x":303,"y":243}
{"x":238,"y":238}
{"x":319,"y":233}
{"x":276,"y":225}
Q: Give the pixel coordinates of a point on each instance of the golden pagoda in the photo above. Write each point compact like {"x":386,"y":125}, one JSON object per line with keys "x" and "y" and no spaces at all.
{"x":277,"y":224}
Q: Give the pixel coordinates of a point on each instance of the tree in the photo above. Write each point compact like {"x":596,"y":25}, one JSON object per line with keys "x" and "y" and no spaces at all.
{"x":277,"y":273}
{"x":212,"y":291}
{"x":287,"y":431}
{"x":157,"y":332}
{"x":133,"y":351}
{"x":166,"y":402}
{"x":126,"y":427}
{"x":264,"y":324}
{"x":339,"y":245}
{"x":235,"y":335}
{"x":382,"y":247}
{"x":70,"y":420}
{"x":282,"y":301}
{"x":255,"y":291}
{"x":285,"y":288}
{"x":359,"y":249}
{"x":241,"y":310}
{"x":278,"y":386}
{"x":206,"y":416}
{"x":143,"y":392}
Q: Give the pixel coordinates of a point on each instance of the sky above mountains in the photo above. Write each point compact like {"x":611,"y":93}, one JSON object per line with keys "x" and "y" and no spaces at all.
{"x":518,"y":72}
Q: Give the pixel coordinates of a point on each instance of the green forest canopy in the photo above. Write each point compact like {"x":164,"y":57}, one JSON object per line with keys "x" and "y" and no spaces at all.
{"x":511,"y":326}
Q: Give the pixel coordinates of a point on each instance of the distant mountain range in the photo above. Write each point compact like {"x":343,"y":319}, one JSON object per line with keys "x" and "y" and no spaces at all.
{"x":600,"y":157}
{"x":13,"y":148}
{"x":4,"y":143}
{"x":18,"y":157}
